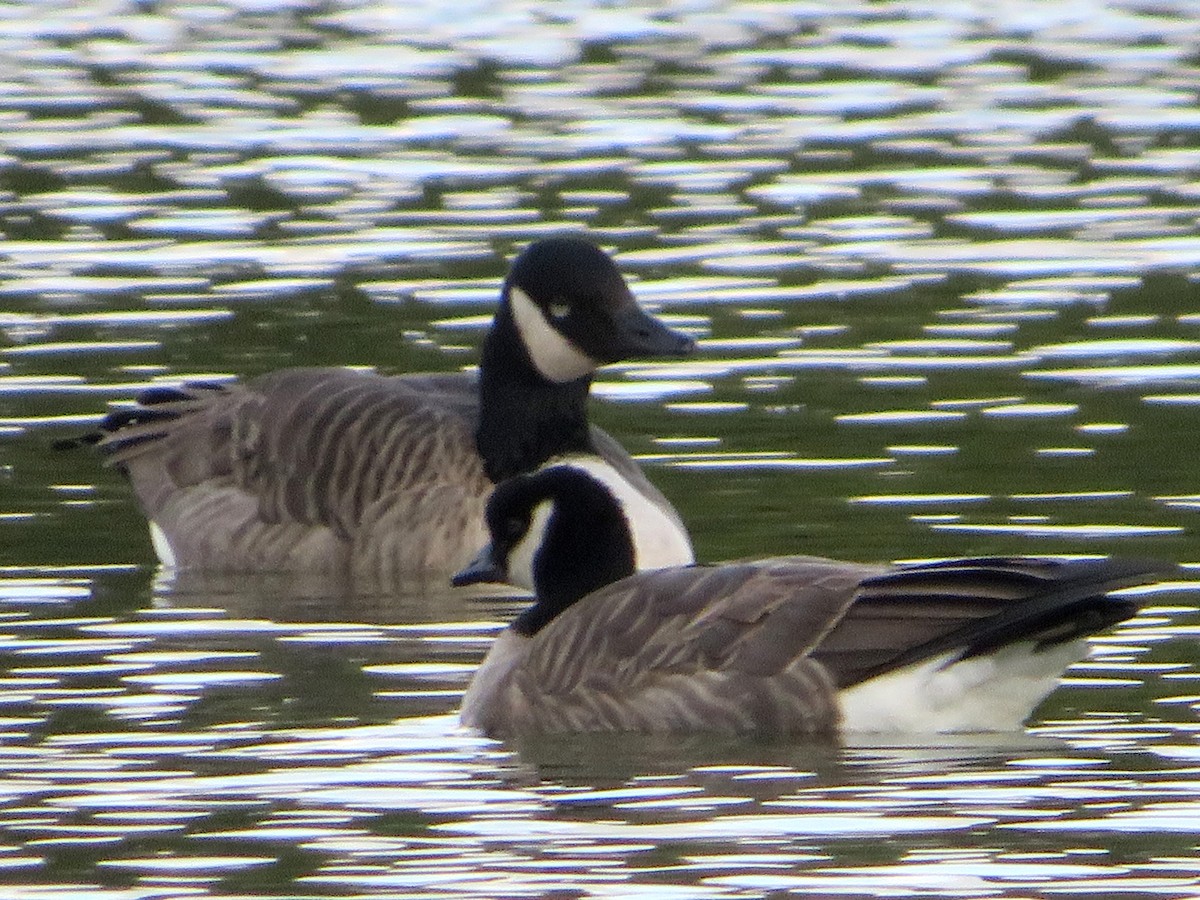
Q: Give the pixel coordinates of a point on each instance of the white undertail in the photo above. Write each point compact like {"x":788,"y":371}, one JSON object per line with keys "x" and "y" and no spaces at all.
{"x":990,"y":692}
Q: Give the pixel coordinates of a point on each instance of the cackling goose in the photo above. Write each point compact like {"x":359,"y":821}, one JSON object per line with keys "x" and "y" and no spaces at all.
{"x":790,"y":645}
{"x":337,"y":471}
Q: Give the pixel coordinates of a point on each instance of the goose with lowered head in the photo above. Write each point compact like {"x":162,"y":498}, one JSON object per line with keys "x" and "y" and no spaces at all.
{"x":790,"y":645}
{"x":337,"y":471}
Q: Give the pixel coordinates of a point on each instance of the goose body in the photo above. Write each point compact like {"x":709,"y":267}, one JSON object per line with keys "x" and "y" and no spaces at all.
{"x":350,"y":472}
{"x":789,"y":645}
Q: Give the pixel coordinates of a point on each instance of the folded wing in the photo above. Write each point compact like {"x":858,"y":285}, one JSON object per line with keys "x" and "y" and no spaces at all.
{"x":766,"y":647}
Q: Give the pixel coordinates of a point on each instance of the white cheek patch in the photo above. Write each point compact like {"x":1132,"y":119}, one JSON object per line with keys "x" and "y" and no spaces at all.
{"x":520,"y":558}
{"x":555,"y":357}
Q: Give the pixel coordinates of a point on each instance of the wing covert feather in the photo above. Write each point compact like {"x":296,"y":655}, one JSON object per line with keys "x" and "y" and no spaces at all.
{"x":717,"y":649}
{"x":297,"y":460}
{"x":765,"y":647}
{"x":302,"y":468}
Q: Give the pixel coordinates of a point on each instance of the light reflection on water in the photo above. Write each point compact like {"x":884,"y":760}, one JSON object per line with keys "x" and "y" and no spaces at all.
{"x":193,"y":752}
{"x":940,"y":263}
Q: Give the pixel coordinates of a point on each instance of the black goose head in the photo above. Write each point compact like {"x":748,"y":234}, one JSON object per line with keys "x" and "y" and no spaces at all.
{"x":557,"y":530}
{"x":573,"y":312}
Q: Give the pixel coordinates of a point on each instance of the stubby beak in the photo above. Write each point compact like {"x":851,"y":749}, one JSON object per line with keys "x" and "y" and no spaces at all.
{"x":482,"y":569}
{"x":639,"y":334}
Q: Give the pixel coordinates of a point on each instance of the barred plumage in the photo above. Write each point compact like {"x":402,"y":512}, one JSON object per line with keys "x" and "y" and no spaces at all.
{"x":790,"y":645}
{"x":340,"y":471}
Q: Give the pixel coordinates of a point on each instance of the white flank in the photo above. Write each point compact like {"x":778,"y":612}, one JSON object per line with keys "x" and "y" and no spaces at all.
{"x":552,"y":354}
{"x":506,"y":652}
{"x":991,"y":692}
{"x":162,"y":547}
{"x":659,"y":540}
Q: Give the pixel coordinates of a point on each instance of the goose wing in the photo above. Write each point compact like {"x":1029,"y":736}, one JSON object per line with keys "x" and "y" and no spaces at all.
{"x":766,"y":647}
{"x":300,"y":467}
{"x":719,"y":649}
{"x":970,"y":607}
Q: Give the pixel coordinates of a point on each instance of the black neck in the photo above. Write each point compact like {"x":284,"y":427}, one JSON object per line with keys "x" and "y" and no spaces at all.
{"x":587,"y":545}
{"x":524,"y":418}
{"x":534,"y":619}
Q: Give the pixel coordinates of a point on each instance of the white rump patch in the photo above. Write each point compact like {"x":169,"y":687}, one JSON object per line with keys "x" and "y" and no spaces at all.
{"x":991,"y":692}
{"x":555,"y":357}
{"x":162,"y":547}
{"x":659,"y":540}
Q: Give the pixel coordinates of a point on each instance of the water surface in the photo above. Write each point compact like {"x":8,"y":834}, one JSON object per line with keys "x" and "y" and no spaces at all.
{"x":941,"y":263}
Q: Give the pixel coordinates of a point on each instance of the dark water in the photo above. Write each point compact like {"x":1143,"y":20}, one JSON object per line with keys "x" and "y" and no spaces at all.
{"x":942,"y":261}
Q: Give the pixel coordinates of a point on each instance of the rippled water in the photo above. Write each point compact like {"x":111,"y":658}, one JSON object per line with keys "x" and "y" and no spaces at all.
{"x":941,"y":259}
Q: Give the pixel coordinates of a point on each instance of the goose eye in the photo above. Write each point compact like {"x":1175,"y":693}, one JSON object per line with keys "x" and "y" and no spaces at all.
{"x":512,"y":528}
{"x":560,"y":310}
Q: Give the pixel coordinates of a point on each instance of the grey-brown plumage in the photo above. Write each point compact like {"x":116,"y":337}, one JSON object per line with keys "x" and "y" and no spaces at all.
{"x":791,"y":645}
{"x":339,"y":471}
{"x":320,"y":469}
{"x":767,"y":647}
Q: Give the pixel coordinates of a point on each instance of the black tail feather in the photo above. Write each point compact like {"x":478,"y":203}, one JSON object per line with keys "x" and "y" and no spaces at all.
{"x":159,"y":403}
{"x":973,"y":607}
{"x":88,"y":439}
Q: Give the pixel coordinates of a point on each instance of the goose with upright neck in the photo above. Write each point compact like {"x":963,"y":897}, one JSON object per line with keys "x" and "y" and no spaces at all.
{"x":622,"y":639}
{"x":565,"y":310}
{"x":343,"y":471}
